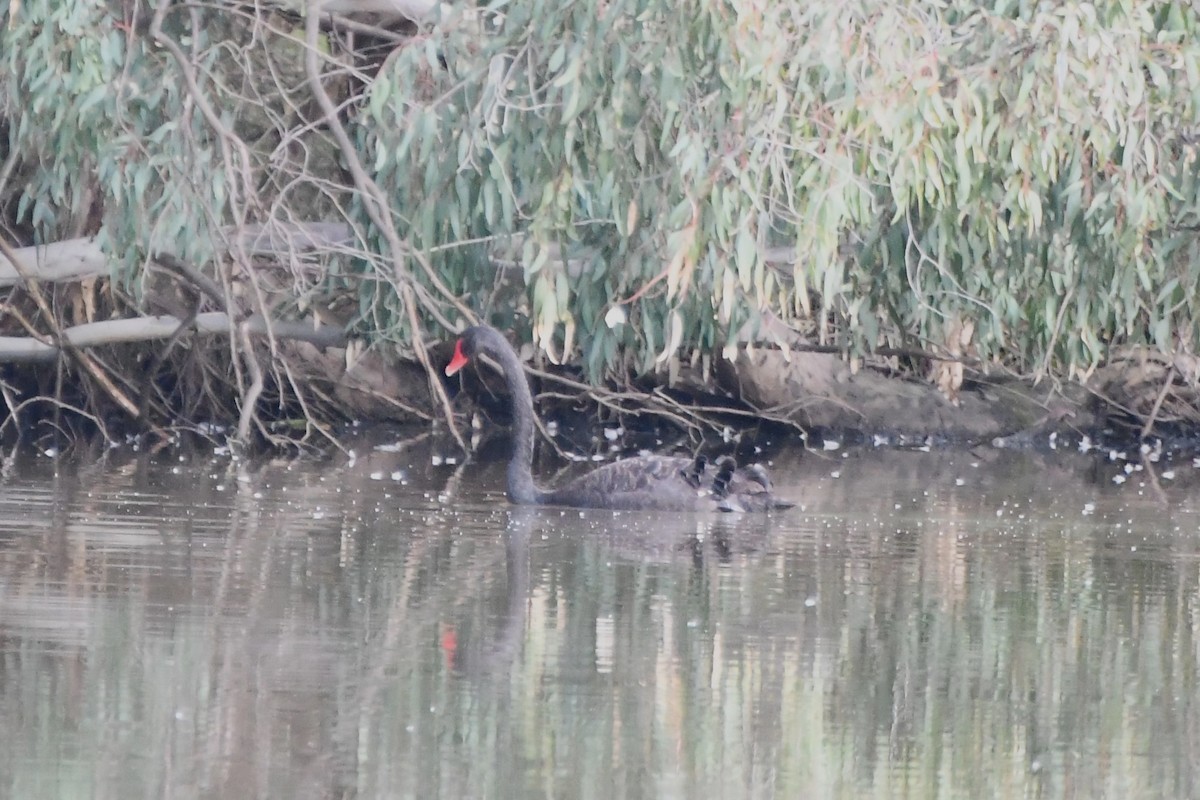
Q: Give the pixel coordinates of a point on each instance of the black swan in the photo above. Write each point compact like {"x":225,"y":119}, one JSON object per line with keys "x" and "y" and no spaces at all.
{"x":647,"y":482}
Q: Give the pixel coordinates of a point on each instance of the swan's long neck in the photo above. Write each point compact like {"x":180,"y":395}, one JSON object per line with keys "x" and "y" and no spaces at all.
{"x":521,"y":488}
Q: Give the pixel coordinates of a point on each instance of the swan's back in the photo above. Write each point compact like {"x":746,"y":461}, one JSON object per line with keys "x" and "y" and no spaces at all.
{"x":669,"y":483}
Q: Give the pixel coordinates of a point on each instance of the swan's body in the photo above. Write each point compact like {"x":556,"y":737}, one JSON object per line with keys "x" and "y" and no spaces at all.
{"x":667,"y":483}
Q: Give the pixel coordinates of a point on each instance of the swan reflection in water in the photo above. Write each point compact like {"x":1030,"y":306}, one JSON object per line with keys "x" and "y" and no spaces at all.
{"x":488,"y":647}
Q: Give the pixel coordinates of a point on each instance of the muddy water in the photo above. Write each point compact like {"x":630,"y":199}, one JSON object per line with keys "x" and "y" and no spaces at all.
{"x":922,"y":625}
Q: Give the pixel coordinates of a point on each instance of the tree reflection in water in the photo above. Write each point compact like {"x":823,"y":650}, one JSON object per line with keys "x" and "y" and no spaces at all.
{"x":924,"y":625}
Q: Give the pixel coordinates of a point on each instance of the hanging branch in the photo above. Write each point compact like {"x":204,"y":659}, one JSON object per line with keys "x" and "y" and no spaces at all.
{"x":376,"y":205}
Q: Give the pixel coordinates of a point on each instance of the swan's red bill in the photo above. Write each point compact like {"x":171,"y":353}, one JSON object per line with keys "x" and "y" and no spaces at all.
{"x":458,"y":362}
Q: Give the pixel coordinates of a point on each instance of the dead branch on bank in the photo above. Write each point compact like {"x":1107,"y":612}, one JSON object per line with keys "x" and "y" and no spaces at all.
{"x":21,"y":349}
{"x":62,"y":342}
{"x":76,"y":259}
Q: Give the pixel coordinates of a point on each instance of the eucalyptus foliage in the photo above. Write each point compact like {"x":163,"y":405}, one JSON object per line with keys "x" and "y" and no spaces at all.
{"x":1029,"y":166}
{"x":639,"y":165}
{"x":98,"y":116}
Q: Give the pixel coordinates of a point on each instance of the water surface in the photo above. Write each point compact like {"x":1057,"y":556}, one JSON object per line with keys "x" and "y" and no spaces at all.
{"x":922,"y":625}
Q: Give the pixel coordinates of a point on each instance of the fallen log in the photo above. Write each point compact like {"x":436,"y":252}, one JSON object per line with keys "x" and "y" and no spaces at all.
{"x":75,"y":259}
{"x":23,"y":349}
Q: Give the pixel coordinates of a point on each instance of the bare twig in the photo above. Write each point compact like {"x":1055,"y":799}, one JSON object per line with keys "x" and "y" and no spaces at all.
{"x":15,"y":413}
{"x":1168,"y":379}
{"x":254,"y":390}
{"x":658,"y":403}
{"x":1149,"y":468}
{"x":11,"y":404}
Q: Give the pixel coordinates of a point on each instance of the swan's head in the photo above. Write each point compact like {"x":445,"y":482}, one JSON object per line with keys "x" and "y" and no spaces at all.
{"x":472,"y":342}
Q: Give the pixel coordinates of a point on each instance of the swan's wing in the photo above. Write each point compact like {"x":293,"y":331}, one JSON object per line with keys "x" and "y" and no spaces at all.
{"x":633,"y":476}
{"x":646,"y":482}
{"x":669,"y":483}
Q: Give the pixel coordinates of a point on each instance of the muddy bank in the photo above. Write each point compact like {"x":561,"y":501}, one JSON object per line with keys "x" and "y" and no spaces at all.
{"x":808,"y":396}
{"x":264,"y":353}
{"x":817,"y":397}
